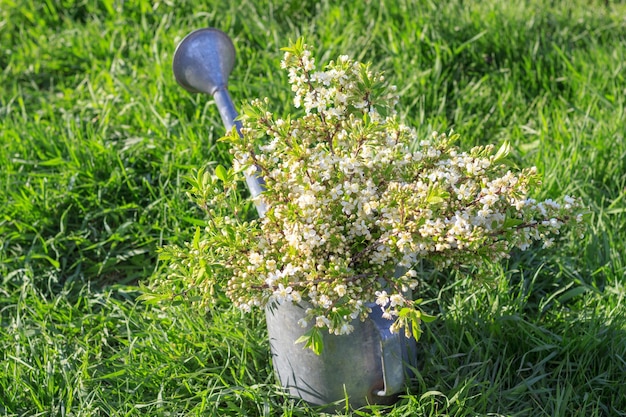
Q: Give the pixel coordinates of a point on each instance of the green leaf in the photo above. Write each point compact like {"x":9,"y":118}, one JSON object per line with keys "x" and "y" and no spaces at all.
{"x":152,"y":298}
{"x":503,"y":152}
{"x":434,"y":199}
{"x":196,"y":239}
{"x":511,"y":222}
{"x":427,"y":318}
{"x":367,"y":81}
{"x":221,"y":173}
{"x":313,"y":340}
{"x":437,"y":196}
{"x":295,"y":48}
{"x":416,"y":329}
{"x":404,"y":312}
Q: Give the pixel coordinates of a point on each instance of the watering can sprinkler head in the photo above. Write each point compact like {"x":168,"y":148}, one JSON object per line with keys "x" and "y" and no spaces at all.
{"x":203,"y":61}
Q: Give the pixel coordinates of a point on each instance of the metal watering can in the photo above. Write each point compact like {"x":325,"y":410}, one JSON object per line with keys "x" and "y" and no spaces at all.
{"x":369,"y":366}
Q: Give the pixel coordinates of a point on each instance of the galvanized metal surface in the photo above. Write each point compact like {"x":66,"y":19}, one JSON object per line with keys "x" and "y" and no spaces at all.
{"x":369,"y":366}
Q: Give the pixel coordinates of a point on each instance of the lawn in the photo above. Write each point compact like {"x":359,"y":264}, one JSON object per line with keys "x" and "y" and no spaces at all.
{"x":97,"y":140}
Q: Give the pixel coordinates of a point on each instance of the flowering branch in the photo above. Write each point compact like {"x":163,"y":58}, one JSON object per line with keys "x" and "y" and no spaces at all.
{"x":354,"y":196}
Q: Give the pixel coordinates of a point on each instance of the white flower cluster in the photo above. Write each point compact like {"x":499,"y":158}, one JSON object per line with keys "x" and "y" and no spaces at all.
{"x":354,"y":196}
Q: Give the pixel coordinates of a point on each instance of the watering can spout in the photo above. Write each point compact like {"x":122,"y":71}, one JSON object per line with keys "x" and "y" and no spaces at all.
{"x":202,"y":63}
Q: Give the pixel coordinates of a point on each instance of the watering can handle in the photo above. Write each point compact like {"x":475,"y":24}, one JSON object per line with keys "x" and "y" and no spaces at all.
{"x":393,"y":367}
{"x":391,"y":357}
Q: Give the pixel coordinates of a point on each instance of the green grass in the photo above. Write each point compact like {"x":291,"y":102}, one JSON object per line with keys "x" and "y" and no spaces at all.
{"x":96,"y":138}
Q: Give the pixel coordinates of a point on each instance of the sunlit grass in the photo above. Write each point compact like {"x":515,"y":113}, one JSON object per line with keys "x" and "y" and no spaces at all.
{"x":96,"y":138}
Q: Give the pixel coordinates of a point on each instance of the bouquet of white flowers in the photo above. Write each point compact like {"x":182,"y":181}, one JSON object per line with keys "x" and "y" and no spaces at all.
{"x":354,"y":200}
